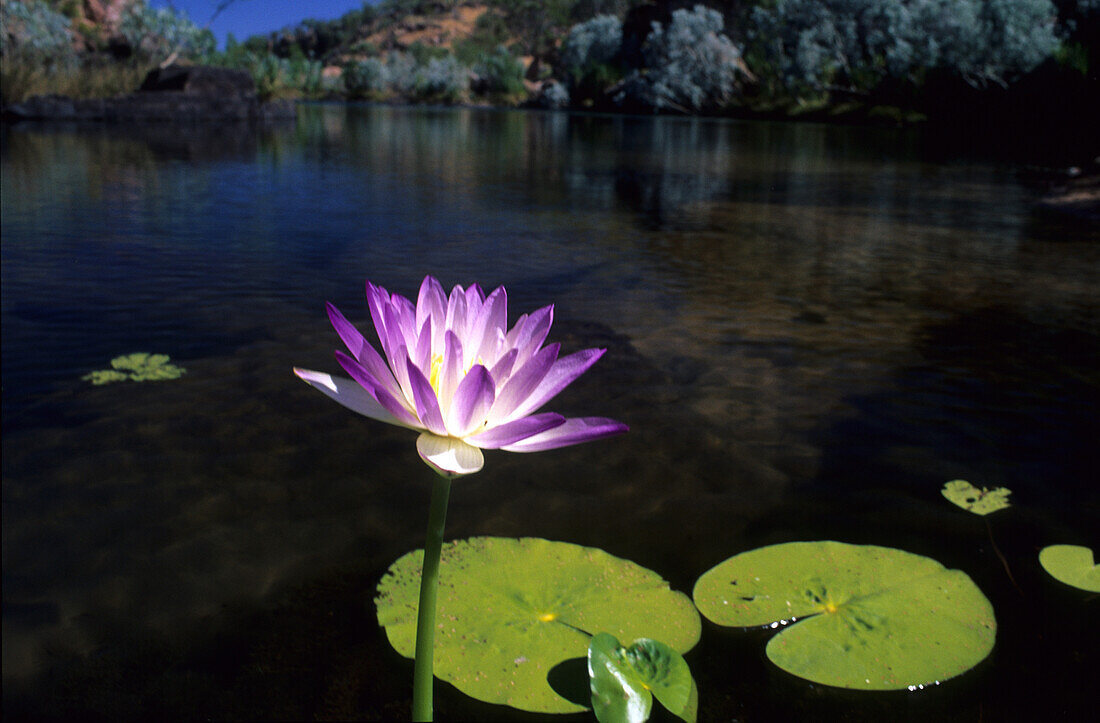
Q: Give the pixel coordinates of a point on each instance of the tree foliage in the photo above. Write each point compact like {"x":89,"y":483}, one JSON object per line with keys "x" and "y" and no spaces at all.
{"x":34,"y":32}
{"x":157,"y":33}
{"x":855,"y":44}
{"x":690,"y":66}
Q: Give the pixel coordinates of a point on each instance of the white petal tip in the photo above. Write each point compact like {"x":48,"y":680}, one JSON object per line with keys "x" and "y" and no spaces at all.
{"x":449,"y":456}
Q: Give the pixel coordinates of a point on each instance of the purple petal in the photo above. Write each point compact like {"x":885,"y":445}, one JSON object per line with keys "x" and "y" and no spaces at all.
{"x":351,"y":337}
{"x":377,"y":302}
{"x":530,"y":337}
{"x":431,"y":303}
{"x":564,"y":371}
{"x":521,"y":385}
{"x":451,"y":368}
{"x":423,"y":358}
{"x":503,"y":368}
{"x":376,"y":366}
{"x":350,"y":394}
{"x":448,"y":456}
{"x":516,"y":430}
{"x":491,"y":319}
{"x":456,"y":312}
{"x":393,"y":404}
{"x":427,"y":406}
{"x":472,"y":401}
{"x":573,"y":431}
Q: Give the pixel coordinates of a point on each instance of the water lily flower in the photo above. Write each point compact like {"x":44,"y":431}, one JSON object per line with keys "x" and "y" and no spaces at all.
{"x":455,"y":372}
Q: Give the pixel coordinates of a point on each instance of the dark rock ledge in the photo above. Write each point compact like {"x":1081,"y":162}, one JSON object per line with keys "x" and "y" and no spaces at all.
{"x":176,"y":93}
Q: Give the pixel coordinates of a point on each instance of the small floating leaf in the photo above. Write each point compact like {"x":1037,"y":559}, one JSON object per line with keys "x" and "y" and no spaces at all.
{"x":876,"y":618}
{"x":105,"y":376}
{"x":509,"y":610}
{"x":139,"y":367}
{"x":1071,"y":564}
{"x":624,"y":681}
{"x":979,"y":501}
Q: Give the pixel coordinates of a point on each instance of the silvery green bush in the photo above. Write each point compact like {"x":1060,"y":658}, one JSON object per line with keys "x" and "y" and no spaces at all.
{"x":593,"y":42}
{"x":816,"y":44}
{"x":160,"y":32}
{"x":441,"y":79}
{"x":400,"y":73}
{"x":500,"y":72}
{"x":691,"y":65}
{"x":35,"y":32}
{"x":363,"y":78}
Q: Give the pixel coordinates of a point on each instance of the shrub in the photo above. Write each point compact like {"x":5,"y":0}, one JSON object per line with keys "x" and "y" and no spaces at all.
{"x":157,"y":34}
{"x":33,"y":32}
{"x":690,"y":66}
{"x":589,"y":57}
{"x":814,"y":44}
{"x":442,"y":80}
{"x":364,"y":78}
{"x":400,"y":73}
{"x":500,"y":73}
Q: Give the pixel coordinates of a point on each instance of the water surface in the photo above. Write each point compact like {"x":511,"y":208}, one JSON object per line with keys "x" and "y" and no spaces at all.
{"x":809,"y":330}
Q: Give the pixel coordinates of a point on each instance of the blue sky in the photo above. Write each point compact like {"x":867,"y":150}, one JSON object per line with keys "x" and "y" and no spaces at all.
{"x":252,"y":17}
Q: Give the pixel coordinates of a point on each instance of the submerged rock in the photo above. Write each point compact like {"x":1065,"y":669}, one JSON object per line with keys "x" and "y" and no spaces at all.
{"x":175,"y":93}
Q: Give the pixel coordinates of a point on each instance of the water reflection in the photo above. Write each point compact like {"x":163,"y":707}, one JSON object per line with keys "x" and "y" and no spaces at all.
{"x":808,"y":329}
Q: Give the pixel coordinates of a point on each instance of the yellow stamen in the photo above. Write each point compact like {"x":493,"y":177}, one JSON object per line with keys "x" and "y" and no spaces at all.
{"x":433,"y":379}
{"x":547,"y":617}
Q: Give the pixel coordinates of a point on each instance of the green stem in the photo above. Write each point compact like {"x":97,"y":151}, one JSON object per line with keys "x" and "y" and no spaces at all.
{"x":425,"y":618}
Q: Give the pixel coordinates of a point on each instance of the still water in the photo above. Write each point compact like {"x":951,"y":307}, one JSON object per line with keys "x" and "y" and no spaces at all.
{"x":809,"y":330}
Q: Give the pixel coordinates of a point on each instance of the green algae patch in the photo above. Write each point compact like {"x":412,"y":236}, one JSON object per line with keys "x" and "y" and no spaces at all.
{"x":853,"y":616}
{"x":979,"y":501}
{"x":1072,"y":565}
{"x":139,"y":367}
{"x":511,"y":609}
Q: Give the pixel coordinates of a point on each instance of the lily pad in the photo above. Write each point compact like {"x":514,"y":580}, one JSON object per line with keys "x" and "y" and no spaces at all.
{"x":1071,"y":564}
{"x":624,"y":681}
{"x":979,"y":501}
{"x":511,"y":609}
{"x":876,"y":618}
{"x":139,"y":367}
{"x":105,"y":376}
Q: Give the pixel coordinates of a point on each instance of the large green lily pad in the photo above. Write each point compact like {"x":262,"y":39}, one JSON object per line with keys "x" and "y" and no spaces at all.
{"x":979,"y":501}
{"x":625,"y":680}
{"x":876,"y":618}
{"x":1071,"y":564}
{"x":511,"y":609}
{"x":139,"y":367}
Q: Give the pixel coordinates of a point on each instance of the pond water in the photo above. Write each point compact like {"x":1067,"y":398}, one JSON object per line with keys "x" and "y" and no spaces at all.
{"x":809,"y":329}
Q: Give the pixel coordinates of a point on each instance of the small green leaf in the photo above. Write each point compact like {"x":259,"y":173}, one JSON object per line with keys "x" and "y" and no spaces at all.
{"x":105,"y":376}
{"x":1071,"y":564}
{"x":624,"y":680}
{"x":979,"y":501}
{"x":618,"y":695}
{"x":509,"y":610}
{"x":138,"y":367}
{"x":876,"y":618}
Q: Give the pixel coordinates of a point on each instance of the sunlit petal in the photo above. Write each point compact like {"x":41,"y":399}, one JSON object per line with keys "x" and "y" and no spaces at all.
{"x":449,"y":456}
